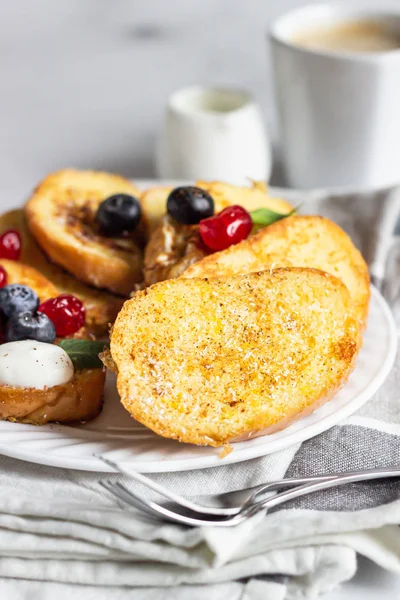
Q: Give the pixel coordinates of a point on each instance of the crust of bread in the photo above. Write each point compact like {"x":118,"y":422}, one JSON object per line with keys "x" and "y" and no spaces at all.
{"x":209,"y":361}
{"x":81,"y":399}
{"x":101,"y":307}
{"x":250,"y":197}
{"x":154,"y":204}
{"x":298,"y":241}
{"x":61,"y":213}
{"x":154,"y":200}
{"x":18,"y":272}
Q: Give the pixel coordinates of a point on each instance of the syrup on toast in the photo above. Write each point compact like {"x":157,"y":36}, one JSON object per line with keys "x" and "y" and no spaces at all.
{"x":171,"y":249}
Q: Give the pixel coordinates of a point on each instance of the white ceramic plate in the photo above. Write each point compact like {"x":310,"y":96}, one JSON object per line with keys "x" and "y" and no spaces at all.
{"x":115,"y":433}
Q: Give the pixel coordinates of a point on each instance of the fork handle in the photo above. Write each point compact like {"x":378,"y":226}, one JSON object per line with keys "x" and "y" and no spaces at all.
{"x":308,"y":488}
{"x":290,"y":482}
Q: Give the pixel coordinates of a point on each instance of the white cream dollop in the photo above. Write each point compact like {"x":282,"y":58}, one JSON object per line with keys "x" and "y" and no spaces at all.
{"x":30,"y":364}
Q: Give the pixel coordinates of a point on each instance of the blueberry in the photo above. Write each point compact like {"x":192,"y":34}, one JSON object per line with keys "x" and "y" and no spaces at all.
{"x":28,"y":326}
{"x":189,"y":205}
{"x":117,"y":214}
{"x":16,"y":298}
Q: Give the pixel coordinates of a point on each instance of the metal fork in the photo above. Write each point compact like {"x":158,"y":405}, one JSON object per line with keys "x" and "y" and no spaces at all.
{"x":232,"y":501}
{"x":249,"y":508}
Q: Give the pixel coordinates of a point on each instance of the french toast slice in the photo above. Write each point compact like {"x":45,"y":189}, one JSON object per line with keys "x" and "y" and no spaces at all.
{"x":298,"y":241}
{"x":210,"y":361}
{"x":101,"y":307}
{"x":81,"y":399}
{"x":154,"y":200}
{"x":61,"y":215}
{"x":18,"y":272}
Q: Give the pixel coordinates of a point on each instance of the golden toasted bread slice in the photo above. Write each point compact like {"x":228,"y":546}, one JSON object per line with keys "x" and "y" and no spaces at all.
{"x":18,"y":272}
{"x":80,"y":399}
{"x":211,"y":361}
{"x":154,"y":200}
{"x":61,"y":215}
{"x":298,"y":241}
{"x":101,"y":307}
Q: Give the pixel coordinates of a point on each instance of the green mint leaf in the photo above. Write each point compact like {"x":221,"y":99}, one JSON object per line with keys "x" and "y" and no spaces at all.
{"x":262,"y":217}
{"x":84,"y":353}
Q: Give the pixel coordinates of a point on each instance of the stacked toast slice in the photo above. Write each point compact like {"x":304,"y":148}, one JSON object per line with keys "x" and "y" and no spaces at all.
{"x":247,"y":339}
{"x":218,"y":346}
{"x":298,"y":241}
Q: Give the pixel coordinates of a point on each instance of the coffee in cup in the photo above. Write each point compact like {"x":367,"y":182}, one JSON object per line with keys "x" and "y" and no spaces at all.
{"x":350,"y":36}
{"x":337,"y":71}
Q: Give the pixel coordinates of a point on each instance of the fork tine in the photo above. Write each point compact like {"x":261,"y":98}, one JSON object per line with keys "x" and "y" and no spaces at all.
{"x":156,"y":487}
{"x":122,"y":493}
{"x":177,"y":498}
{"x":127,"y":498}
{"x":119,"y":490}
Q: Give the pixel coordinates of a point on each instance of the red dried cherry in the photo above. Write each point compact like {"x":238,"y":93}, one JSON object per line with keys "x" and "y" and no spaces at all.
{"x":229,"y":227}
{"x":3,"y":277}
{"x":10,"y":245}
{"x":67,"y":313}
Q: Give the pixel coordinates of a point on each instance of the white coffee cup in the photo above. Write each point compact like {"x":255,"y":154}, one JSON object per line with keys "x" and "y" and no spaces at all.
{"x":213,"y":133}
{"x":339,"y":111}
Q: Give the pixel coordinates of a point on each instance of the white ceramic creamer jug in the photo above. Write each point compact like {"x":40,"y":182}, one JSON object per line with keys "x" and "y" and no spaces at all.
{"x":213,"y":133}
